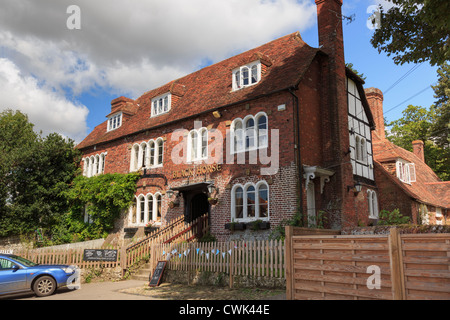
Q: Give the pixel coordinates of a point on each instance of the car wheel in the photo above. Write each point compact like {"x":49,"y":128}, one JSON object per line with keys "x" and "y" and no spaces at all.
{"x":44,"y":286}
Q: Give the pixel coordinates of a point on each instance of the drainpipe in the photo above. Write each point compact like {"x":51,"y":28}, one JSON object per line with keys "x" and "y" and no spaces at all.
{"x":297,"y":131}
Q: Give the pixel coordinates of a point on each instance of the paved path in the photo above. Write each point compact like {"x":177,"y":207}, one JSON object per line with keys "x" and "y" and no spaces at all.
{"x":91,"y":291}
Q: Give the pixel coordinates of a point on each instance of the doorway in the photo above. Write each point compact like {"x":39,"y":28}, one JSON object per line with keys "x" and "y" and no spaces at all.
{"x":199,"y":205}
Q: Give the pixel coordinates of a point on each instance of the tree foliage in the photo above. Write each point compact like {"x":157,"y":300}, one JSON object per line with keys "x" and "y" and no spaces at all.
{"x":34,"y":171}
{"x":416,"y":124}
{"x":440,"y":129}
{"x":415,"y":31}
{"x":102,"y":198}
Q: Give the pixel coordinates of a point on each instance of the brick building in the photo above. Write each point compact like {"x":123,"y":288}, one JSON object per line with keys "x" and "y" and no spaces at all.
{"x":405,"y":181}
{"x":279,"y":129}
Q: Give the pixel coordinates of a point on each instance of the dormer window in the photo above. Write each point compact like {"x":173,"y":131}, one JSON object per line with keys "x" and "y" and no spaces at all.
{"x":406,"y":172}
{"x":161,"y":104}
{"x":114,"y":121}
{"x":247,"y":75}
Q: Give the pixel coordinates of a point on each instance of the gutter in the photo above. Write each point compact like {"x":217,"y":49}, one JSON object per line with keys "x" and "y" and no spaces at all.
{"x":297,"y":132}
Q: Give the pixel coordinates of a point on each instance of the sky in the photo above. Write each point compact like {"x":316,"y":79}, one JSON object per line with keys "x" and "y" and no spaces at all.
{"x":63,"y":67}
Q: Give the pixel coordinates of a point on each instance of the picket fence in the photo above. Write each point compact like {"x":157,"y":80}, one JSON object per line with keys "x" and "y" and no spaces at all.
{"x":264,"y":258}
{"x":67,"y":257}
{"x":259,"y":258}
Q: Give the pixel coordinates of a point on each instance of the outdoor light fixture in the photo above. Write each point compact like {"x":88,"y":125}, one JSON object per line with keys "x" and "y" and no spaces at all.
{"x":170,"y":193}
{"x":356,"y":188}
{"x":217,"y":114}
{"x":211,"y":188}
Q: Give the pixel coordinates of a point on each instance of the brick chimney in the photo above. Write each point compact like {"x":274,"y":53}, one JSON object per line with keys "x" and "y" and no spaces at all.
{"x":335,"y":109}
{"x":375,"y":99}
{"x":418,"y":149}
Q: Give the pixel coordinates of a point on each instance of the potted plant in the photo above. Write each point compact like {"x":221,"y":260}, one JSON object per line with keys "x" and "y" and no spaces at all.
{"x":259,"y":225}
{"x":233,"y":226}
{"x":213,"y":201}
{"x":173,"y":204}
{"x":150,"y":227}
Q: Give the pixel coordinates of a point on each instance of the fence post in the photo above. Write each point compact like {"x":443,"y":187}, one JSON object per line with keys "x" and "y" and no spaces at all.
{"x":396,"y":262}
{"x":231,"y":264}
{"x":289,"y":230}
{"x":123,"y":259}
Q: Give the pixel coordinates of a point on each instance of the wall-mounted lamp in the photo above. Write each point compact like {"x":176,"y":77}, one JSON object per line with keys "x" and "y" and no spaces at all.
{"x":211,"y":188}
{"x":170,"y":193}
{"x":217,"y":114}
{"x":356,"y":188}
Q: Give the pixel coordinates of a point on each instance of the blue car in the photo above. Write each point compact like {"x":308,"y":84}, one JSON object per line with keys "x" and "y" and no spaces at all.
{"x":21,"y":275}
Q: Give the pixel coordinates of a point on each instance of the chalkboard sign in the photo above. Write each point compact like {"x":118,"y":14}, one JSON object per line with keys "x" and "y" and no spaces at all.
{"x":157,"y":274}
{"x":100,"y":255}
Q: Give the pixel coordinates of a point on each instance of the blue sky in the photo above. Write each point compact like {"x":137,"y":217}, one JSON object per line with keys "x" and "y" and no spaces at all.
{"x":65,"y":79}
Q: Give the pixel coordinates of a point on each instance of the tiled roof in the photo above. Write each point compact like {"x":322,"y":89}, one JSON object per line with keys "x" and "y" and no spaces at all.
{"x":285,"y":59}
{"x":428,"y":188}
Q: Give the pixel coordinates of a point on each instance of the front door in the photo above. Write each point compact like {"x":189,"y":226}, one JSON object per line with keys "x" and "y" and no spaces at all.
{"x":199,"y":206}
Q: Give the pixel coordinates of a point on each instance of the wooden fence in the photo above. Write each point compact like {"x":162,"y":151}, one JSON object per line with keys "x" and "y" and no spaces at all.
{"x":177,"y":231}
{"x":395,"y":266}
{"x":264,"y":258}
{"x":67,"y":257}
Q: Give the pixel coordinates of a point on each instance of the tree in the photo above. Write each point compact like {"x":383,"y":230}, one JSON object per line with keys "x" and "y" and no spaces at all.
{"x":34,"y":173}
{"x":415,"y":31}
{"x":440,"y":130}
{"x":416,"y":124}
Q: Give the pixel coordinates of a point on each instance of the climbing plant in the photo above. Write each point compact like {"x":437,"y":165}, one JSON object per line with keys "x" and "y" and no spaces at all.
{"x":101,"y":198}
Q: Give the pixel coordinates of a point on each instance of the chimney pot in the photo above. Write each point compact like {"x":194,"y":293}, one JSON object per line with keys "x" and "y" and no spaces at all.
{"x":418,"y":149}
{"x":375,"y":99}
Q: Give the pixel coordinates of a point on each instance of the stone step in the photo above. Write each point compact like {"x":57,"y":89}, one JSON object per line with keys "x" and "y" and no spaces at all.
{"x":140,"y":277}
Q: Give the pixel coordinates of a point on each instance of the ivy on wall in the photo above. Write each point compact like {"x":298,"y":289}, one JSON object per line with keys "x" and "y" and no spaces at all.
{"x":103,"y":198}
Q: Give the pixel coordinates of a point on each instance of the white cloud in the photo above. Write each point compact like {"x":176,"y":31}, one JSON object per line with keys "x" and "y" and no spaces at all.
{"x":129,"y":47}
{"x":46,"y":109}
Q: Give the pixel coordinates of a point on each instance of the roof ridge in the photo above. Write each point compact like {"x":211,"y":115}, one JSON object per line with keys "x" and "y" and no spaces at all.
{"x":294,"y":35}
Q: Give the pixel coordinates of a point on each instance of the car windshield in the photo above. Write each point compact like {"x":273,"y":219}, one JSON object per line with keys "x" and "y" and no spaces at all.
{"x":23,"y":261}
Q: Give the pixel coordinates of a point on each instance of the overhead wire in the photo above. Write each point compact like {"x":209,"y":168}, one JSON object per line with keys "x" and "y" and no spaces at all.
{"x":414,"y":68}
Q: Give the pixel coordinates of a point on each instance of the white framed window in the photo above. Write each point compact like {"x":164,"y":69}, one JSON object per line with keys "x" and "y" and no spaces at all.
{"x":161,"y":104}
{"x":406,"y":172}
{"x":361,"y":149}
{"x":249,"y":133}
{"x":439,"y":216}
{"x":250,"y":202}
{"x":147,"y":154}
{"x":94,"y":165}
{"x":373,"y":204}
{"x":114,"y":121}
{"x":197,"y":147}
{"x":145,"y":209}
{"x":247,"y":75}
{"x":86,"y":215}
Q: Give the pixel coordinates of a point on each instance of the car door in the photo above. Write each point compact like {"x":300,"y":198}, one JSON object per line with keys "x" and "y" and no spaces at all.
{"x":13,"y":278}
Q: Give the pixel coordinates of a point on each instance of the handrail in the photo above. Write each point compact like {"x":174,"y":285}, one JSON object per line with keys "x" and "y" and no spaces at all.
{"x":171,"y":225}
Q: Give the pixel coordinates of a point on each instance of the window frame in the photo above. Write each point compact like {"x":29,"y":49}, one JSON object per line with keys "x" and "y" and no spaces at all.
{"x":114,"y":121}
{"x":195,"y":145}
{"x":139,"y":160}
{"x":163,"y":104}
{"x":144,"y":215}
{"x":405,"y":171}
{"x":241,"y":134}
{"x":94,"y":165}
{"x":372,"y":197}
{"x":257,"y":205}
{"x":238,"y":75}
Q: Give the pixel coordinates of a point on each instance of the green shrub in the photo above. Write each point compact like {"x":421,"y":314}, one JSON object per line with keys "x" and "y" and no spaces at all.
{"x":394,"y":217}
